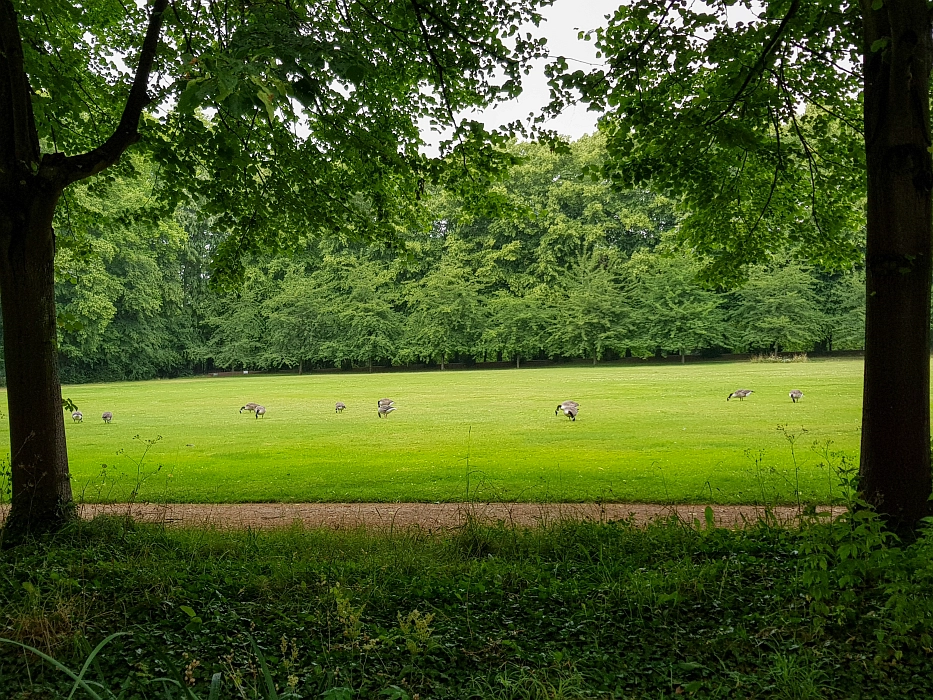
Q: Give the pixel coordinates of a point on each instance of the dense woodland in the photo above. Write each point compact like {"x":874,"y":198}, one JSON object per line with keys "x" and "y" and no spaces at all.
{"x":555,"y":265}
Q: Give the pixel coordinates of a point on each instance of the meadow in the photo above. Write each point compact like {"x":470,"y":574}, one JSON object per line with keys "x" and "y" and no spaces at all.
{"x":644,"y":433}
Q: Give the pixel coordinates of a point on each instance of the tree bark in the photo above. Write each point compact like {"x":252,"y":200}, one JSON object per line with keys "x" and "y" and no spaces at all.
{"x":31,"y":183}
{"x":41,"y":485}
{"x":895,"y":452}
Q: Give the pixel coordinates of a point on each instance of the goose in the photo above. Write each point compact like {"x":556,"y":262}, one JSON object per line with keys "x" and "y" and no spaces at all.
{"x":739,"y":394}
{"x":107,"y":416}
{"x":77,"y":416}
{"x":260,"y":411}
{"x":565,"y":404}
{"x":339,"y":406}
{"x":569,"y":411}
{"x":249,"y":407}
{"x":385,"y":402}
{"x":795,"y":395}
{"x":384,"y":410}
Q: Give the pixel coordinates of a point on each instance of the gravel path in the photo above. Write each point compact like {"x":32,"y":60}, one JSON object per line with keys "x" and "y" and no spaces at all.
{"x":430,"y":516}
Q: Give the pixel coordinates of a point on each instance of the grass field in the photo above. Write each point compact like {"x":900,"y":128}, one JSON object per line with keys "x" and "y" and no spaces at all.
{"x":644,"y":433}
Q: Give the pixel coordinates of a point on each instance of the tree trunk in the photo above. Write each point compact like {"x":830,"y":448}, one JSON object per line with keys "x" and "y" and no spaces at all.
{"x":682,"y":360}
{"x":518,"y":362}
{"x":41,"y":485}
{"x":895,"y":454}
{"x":301,"y":367}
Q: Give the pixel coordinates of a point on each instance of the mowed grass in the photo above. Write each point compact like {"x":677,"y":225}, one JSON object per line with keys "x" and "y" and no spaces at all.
{"x":644,"y":433}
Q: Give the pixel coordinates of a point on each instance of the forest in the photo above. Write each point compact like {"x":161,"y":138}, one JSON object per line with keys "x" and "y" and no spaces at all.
{"x":554,"y":264}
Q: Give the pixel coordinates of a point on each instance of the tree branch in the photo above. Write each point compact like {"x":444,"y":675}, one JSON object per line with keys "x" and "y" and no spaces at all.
{"x":760,"y":63}
{"x":65,"y":170}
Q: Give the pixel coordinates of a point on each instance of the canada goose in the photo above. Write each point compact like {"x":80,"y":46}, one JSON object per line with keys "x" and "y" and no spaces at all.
{"x":565,"y":404}
{"x":569,"y":411}
{"x":339,"y":406}
{"x":260,"y":411}
{"x":739,"y":394}
{"x":795,"y":395}
{"x":384,"y":410}
{"x":249,"y":407}
{"x":385,"y":402}
{"x":107,"y":416}
{"x":77,"y":416}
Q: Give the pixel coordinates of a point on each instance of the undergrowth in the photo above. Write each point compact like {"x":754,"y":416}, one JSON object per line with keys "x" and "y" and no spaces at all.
{"x":834,"y":608}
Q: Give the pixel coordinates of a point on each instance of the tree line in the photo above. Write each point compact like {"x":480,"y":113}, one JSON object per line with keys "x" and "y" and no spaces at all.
{"x":564,"y":267}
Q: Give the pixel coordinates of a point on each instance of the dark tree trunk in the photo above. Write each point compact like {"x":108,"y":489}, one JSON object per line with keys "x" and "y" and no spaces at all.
{"x":41,"y":494}
{"x":518,"y":362}
{"x":31,"y":183}
{"x":895,"y":454}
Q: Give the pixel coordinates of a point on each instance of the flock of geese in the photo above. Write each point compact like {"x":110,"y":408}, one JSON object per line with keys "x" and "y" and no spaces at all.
{"x":78,"y":417}
{"x":385,"y":406}
{"x":569,"y":408}
{"x":740,"y":394}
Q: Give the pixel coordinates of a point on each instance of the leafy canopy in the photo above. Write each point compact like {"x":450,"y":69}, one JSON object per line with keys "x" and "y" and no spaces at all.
{"x":287,"y":118}
{"x":733,"y":116}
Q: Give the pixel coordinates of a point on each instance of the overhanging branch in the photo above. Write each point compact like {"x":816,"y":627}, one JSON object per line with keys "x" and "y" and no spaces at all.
{"x":70,"y":169}
{"x":760,"y":63}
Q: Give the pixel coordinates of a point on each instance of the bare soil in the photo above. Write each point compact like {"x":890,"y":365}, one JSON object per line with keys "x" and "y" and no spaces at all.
{"x":427,"y":516}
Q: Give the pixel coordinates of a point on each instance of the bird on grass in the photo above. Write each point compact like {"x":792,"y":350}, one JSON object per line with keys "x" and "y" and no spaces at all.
{"x":385,"y":402}
{"x":570,"y":412}
{"x":77,"y":416}
{"x":795,"y":395}
{"x":739,"y":394}
{"x":249,"y":407}
{"x":260,"y":411}
{"x":565,"y":404}
{"x":107,"y":416}
{"x":569,"y":408}
{"x":384,"y":410}
{"x":338,"y":408}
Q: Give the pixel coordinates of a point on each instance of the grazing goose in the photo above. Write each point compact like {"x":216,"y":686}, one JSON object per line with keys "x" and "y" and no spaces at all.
{"x":569,"y":411}
{"x":260,"y":411}
{"x":107,"y":416}
{"x":77,"y":416}
{"x":339,"y":406}
{"x":385,"y":402}
{"x":565,"y":404}
{"x":795,"y":395}
{"x":249,"y":407}
{"x":384,"y":410}
{"x":739,"y":394}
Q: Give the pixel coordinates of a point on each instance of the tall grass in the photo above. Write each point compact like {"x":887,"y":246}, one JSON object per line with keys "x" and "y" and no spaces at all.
{"x":835,"y":608}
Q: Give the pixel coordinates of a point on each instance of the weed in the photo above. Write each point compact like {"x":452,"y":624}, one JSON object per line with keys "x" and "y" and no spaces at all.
{"x":349,"y":615}
{"x":416,"y":631}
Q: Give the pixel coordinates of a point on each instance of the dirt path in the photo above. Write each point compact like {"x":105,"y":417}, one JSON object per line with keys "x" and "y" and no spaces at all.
{"x":430,"y":516}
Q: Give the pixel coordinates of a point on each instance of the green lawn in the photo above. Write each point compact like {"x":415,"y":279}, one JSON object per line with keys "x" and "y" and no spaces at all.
{"x":644,"y":433}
